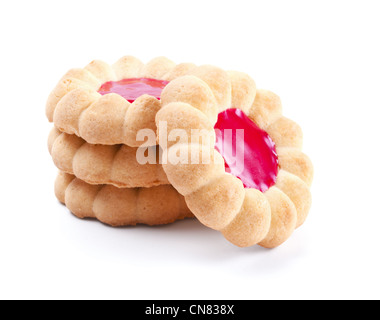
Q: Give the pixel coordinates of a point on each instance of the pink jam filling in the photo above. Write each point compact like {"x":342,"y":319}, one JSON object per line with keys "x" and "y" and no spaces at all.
{"x":131,"y":89}
{"x":252,"y":159}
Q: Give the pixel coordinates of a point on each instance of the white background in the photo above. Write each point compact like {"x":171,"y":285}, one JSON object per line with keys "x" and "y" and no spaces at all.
{"x":321,"y":57}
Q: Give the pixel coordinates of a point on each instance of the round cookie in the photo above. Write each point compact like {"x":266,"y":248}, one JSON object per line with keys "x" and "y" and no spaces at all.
{"x":116,"y":165}
{"x":266,"y":216}
{"x":121,"y":206}
{"x":109,"y":104}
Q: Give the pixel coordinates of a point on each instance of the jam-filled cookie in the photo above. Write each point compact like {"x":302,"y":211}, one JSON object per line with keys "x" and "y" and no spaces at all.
{"x":121,"y":206}
{"x":108,"y":105}
{"x":263,"y":195}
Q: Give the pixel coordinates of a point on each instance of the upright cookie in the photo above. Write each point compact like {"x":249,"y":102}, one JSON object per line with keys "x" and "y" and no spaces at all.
{"x":261,"y":202}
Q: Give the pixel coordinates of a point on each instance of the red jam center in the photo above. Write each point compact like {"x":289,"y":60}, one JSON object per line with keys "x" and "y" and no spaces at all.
{"x":249,"y":152}
{"x":131,"y":89}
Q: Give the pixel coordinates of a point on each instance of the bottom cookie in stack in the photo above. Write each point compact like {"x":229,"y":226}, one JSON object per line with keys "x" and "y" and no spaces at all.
{"x":121,"y":206}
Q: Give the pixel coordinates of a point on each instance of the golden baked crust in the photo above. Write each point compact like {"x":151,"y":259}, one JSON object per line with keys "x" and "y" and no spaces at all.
{"x":76,"y":107}
{"x":99,"y":164}
{"x":121,"y":206}
{"x":219,"y":200}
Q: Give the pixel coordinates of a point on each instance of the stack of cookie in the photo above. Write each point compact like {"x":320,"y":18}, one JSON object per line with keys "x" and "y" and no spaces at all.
{"x":100,"y":176}
{"x":105,"y":144}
